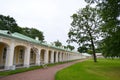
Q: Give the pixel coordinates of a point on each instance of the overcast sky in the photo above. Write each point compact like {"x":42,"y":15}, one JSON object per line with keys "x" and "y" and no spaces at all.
{"x":52,"y":17}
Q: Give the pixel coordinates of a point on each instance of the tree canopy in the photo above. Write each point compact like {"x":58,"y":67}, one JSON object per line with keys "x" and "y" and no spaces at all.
{"x":70,"y":47}
{"x":9,"y":23}
{"x":33,"y":33}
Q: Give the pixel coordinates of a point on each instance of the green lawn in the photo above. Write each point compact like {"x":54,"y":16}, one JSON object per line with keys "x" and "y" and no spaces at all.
{"x":104,"y":69}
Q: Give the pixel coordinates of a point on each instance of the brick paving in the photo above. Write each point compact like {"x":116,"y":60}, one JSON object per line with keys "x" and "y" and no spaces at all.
{"x":39,"y":74}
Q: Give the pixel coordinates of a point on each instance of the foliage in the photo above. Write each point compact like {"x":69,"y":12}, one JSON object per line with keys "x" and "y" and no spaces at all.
{"x":70,"y":47}
{"x":85,"y":29}
{"x":89,"y":51}
{"x":33,"y":33}
{"x":110,"y":12}
{"x":105,"y":69}
{"x":9,"y":23}
{"x":82,"y":49}
{"x":57,"y":43}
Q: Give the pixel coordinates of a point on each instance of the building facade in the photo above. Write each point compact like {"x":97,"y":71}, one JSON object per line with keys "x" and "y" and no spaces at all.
{"x":17,"y":50}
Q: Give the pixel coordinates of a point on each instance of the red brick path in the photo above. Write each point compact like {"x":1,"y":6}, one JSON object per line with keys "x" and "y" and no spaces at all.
{"x":39,"y":74}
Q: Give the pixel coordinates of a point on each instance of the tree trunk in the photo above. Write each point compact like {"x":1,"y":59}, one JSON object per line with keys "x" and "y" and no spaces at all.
{"x":93,"y":47}
{"x":94,"y":55}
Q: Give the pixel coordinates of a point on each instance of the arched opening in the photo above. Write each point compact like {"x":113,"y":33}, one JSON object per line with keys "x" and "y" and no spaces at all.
{"x":49,"y":56}
{"x":3,"y":53}
{"x":19,"y":53}
{"x":42,"y":55}
{"x":32,"y":56}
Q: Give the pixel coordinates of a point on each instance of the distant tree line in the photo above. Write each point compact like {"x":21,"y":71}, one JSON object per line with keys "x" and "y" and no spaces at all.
{"x":9,"y":23}
{"x":59,"y":44}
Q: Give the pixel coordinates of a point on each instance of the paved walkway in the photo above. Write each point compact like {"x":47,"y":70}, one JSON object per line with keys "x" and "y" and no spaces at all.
{"x":39,"y":74}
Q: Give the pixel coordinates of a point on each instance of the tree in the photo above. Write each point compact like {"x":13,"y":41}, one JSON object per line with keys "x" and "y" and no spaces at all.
{"x":70,"y":47}
{"x":33,"y":33}
{"x":57,"y":43}
{"x":85,"y":28}
{"x":110,"y":13}
{"x":9,"y":23}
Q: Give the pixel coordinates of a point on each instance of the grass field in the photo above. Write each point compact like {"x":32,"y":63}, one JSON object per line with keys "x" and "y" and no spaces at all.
{"x":104,"y":69}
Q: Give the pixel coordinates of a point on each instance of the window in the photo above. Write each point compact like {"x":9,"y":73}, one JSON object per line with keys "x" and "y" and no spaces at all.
{"x":21,"y":53}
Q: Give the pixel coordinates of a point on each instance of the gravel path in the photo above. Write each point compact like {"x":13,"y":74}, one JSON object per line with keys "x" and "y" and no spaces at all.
{"x":39,"y":74}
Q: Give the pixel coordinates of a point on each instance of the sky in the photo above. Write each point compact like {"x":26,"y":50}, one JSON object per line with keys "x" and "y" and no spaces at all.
{"x":52,"y":17}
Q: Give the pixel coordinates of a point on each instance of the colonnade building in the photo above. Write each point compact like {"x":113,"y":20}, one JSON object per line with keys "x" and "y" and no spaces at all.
{"x":17,"y":50}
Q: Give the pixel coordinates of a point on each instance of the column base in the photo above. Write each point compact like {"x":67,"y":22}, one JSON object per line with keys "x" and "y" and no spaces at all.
{"x":37,"y":64}
{"x":26,"y":65}
{"x":10,"y":67}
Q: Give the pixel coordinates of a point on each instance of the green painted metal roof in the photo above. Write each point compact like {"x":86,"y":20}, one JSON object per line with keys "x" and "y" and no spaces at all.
{"x":26,"y":38}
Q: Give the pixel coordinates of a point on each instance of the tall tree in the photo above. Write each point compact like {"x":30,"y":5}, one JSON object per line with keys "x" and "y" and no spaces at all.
{"x":110,"y":12}
{"x":85,"y":28}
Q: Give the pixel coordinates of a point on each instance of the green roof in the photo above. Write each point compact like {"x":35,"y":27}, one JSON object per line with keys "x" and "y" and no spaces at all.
{"x":26,"y":38}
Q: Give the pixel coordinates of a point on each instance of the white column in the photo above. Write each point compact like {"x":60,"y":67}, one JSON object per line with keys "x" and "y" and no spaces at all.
{"x":38,"y":57}
{"x":9,"y":57}
{"x":70,"y":56}
{"x":60,"y":57}
{"x":63,"y":57}
{"x":27,"y":57}
{"x":52,"y":57}
{"x":46,"y":57}
{"x":66,"y":56}
{"x":56,"y":57}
